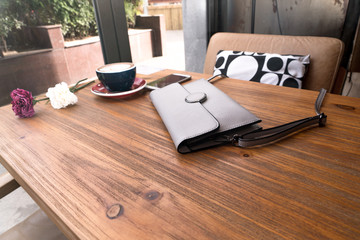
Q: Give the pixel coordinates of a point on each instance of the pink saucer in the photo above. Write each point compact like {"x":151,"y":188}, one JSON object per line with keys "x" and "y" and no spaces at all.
{"x":101,"y":91}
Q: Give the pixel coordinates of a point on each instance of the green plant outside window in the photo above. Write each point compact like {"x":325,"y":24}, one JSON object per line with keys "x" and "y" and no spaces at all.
{"x":76,"y":17}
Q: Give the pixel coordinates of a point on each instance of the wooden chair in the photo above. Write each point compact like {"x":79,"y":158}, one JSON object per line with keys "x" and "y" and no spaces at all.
{"x":36,"y":226}
{"x":7,"y":184}
{"x":325,"y":54}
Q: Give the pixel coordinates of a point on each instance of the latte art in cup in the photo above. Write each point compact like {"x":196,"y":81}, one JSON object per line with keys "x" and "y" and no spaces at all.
{"x":113,"y":68}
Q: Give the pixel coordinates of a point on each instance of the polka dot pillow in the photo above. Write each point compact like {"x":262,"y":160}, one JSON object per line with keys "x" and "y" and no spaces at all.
{"x":275,"y":69}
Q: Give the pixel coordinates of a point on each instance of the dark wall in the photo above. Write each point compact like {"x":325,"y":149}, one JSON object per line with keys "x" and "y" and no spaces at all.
{"x":331,"y":18}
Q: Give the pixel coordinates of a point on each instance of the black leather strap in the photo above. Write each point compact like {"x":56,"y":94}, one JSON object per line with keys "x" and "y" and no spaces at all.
{"x":262,"y":137}
{"x":266,"y":136}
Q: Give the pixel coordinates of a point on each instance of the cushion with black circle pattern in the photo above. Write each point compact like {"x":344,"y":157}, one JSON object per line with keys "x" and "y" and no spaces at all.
{"x":269,"y":68}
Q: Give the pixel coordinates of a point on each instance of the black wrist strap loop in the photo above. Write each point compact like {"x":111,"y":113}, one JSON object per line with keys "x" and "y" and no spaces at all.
{"x":262,"y":137}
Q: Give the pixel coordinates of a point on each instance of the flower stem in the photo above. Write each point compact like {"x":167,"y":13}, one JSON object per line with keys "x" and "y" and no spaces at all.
{"x":74,"y":89}
{"x":39,"y":100}
{"x":83,"y":86}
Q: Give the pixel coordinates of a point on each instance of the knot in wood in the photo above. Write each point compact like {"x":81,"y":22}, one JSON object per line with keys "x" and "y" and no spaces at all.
{"x":115,"y":211}
{"x":152,"y":195}
{"x":346,"y":107}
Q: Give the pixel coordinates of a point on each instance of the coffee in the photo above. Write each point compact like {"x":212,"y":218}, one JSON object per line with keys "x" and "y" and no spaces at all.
{"x":117,"y":77}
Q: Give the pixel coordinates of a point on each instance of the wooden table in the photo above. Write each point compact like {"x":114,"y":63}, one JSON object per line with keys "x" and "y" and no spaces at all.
{"x":107,"y":169}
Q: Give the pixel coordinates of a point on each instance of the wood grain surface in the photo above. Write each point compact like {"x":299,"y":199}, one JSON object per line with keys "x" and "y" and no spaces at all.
{"x":107,"y":169}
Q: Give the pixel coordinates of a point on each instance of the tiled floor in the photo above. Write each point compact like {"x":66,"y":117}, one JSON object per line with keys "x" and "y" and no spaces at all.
{"x":174,"y":57}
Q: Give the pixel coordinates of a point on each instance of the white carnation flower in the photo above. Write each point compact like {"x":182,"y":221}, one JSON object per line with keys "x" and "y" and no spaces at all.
{"x":60,"y":96}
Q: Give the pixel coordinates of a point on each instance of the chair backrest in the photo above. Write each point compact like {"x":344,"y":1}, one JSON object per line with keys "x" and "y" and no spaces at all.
{"x":325,"y":53}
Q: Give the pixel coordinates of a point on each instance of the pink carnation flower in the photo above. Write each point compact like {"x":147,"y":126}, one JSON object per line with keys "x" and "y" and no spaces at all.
{"x":22,"y":103}
{"x":60,"y":96}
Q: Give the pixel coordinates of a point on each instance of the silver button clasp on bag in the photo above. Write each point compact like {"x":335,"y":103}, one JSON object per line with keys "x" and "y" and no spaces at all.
{"x":196,"y":97}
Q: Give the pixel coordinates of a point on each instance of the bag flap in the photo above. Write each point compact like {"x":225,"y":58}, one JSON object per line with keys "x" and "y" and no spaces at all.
{"x":183,"y":120}
{"x":225,"y":110}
